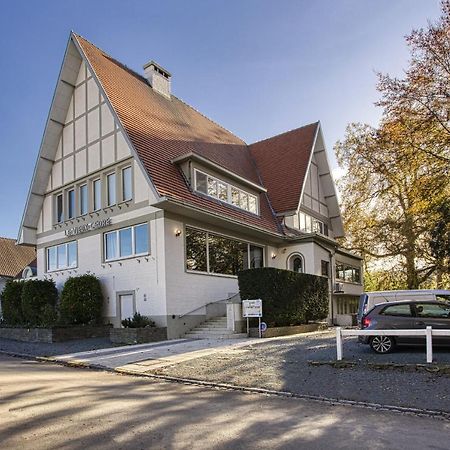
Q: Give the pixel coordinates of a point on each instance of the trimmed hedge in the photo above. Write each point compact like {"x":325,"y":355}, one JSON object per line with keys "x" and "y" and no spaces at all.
{"x":81,"y":301}
{"x":289,"y":298}
{"x":39,"y":299}
{"x":11,"y":299}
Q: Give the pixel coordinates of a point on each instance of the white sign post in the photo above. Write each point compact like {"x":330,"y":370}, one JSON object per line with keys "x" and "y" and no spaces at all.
{"x":252,"y":308}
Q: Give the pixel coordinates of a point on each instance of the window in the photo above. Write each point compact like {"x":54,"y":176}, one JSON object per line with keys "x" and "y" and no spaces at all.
{"x":432,"y":310}
{"x":397,"y":310}
{"x":62,"y":256}
{"x":325,"y":268}
{"x":59,"y":208}
{"x":97,"y":194}
{"x":309,"y":224}
{"x":348,"y":273}
{"x":83,"y":199}
{"x":111,"y":189}
{"x":126,"y":242}
{"x":127,"y":191}
{"x":213,"y":187}
{"x":296,"y":263}
{"x":71,"y":204}
{"x":212,"y":253}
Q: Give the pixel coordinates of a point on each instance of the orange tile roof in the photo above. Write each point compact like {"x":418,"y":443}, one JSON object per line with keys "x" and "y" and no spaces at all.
{"x":163,"y":129}
{"x":283,"y":164}
{"x":14,"y":258}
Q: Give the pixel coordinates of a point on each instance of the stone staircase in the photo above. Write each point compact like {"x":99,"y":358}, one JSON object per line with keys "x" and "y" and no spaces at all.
{"x":215,"y":328}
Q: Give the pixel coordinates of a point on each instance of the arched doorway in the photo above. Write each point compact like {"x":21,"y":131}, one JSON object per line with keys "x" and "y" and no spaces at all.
{"x":296,"y":263}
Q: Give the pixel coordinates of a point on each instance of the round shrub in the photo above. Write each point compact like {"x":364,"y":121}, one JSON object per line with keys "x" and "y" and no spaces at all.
{"x":11,"y":299}
{"x":81,"y":301}
{"x":39,"y":299}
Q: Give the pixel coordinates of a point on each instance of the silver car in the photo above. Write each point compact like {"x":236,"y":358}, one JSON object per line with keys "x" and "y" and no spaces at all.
{"x":405,"y":315}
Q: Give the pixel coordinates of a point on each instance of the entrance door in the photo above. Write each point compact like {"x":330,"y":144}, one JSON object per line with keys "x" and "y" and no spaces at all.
{"x":126,"y":306}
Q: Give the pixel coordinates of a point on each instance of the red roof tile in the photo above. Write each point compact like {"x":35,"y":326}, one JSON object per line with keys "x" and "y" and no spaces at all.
{"x":283,"y":163}
{"x":163,"y":129}
{"x":14,"y":258}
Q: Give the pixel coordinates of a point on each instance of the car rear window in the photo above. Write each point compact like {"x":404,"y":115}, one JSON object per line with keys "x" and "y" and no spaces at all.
{"x":432,"y":310}
{"x":397,"y":310}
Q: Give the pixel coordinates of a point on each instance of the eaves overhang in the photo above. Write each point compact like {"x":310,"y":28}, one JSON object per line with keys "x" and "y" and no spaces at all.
{"x":191,"y":156}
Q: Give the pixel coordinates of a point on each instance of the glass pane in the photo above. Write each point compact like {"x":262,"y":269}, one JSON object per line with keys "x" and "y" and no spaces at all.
{"x":340,"y":273}
{"x":72,"y":254}
{"x":397,"y":310}
{"x":141,"y":238}
{"x":127,"y":193}
{"x":212,"y":187}
{"x":71,"y":203}
{"x":431,"y":310}
{"x":348,"y":273}
{"x":97,"y":195}
{"x":83,"y":199}
{"x":62,"y":256}
{"x":201,"y":182}
{"x":252,"y":204}
{"x":234,"y":196}
{"x":256,"y":257}
{"x":222,"y":191}
{"x":243,"y":200}
{"x":59,"y":208}
{"x":357,"y":275}
{"x":225,"y":255}
{"x":196,"y":250}
{"x":51,"y":259}
{"x":126,"y":248}
{"x":111,"y":184}
{"x":297,"y":264}
{"x":111,"y":245}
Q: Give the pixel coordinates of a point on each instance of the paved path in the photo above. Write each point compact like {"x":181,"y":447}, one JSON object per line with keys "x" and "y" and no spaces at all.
{"x":45,"y":406}
{"x":158,"y":354}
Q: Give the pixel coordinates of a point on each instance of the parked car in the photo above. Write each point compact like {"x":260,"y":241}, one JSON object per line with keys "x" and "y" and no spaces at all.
{"x":405,"y":315}
{"x":368,"y":300}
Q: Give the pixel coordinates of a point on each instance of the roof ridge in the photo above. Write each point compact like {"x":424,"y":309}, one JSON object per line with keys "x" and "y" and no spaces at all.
{"x":285,"y":132}
{"x":144,"y":81}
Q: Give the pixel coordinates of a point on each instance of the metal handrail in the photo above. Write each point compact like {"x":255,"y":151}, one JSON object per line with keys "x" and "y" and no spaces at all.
{"x":207,"y":304}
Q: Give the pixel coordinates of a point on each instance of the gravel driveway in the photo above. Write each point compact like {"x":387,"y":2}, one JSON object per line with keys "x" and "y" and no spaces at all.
{"x":283,"y":365}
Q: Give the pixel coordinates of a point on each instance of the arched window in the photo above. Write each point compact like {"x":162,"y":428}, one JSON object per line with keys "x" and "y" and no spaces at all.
{"x":296,"y":263}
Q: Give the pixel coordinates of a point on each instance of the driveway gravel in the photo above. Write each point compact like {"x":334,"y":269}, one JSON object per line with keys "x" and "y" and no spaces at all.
{"x":283,"y":365}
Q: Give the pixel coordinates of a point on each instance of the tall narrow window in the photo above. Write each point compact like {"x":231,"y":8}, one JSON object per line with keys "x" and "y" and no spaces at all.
{"x":127,"y":192}
{"x":97,"y":194}
{"x":71,"y":204}
{"x":59,"y":208}
{"x":111,"y":186}
{"x":83,"y":200}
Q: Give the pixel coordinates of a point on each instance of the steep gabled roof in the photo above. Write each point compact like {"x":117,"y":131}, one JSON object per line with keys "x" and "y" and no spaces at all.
{"x":283,"y":163}
{"x":162,"y":129}
{"x":14,"y":258}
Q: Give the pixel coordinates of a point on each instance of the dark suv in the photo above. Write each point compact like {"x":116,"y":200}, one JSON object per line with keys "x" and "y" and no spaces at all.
{"x":405,"y":315}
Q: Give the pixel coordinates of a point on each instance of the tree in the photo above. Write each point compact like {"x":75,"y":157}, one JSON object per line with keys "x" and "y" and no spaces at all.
{"x":421,"y":100}
{"x":389,"y":192}
{"x":440,"y":235}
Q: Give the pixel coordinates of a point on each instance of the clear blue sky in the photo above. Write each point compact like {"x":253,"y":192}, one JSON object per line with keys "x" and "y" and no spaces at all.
{"x":257,"y":67}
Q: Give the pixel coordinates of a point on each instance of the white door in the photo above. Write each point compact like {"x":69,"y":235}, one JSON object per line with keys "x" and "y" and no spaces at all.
{"x":126,"y":306}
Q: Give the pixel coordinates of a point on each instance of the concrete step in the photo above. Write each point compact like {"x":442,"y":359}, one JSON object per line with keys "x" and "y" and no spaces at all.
{"x":208,"y":327}
{"x":219,"y":331}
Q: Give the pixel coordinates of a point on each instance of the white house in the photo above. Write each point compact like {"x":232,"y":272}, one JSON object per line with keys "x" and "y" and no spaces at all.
{"x":165,"y":206}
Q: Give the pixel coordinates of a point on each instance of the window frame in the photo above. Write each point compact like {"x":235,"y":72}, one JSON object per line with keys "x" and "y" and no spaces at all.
{"x":80,"y":199}
{"x":229,"y":190}
{"x":59,"y":218}
{"x":133,"y":243}
{"x":122,"y":180}
{"x":111,"y":192}
{"x":207,"y":233}
{"x":71,"y":204}
{"x":94,"y":196}
{"x":67,"y":266}
{"x":345,"y":267}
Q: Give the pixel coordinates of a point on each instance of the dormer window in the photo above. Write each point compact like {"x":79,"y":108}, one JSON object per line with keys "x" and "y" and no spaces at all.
{"x":225,"y":192}
{"x":309,"y":224}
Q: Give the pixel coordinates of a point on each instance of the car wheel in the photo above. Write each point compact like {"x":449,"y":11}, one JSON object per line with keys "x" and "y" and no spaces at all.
{"x":382,"y":344}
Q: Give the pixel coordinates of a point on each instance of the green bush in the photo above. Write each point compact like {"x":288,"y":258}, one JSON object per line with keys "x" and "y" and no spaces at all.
{"x":11,"y":299}
{"x":289,"y":298}
{"x":39,"y":299}
{"x":138,"y":321}
{"x":81,"y":301}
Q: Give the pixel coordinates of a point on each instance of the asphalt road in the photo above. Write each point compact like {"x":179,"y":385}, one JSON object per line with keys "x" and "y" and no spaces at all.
{"x":44,"y":406}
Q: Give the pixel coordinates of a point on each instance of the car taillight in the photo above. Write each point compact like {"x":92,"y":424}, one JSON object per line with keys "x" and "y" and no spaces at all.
{"x":365,"y":322}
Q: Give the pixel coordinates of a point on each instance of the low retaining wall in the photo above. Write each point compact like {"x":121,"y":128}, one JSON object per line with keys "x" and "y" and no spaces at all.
{"x":137,"y":335}
{"x":54,"y":334}
{"x":286,"y":331}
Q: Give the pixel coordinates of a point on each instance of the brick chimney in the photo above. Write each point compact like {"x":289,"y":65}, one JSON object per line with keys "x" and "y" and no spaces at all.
{"x":158,"y":78}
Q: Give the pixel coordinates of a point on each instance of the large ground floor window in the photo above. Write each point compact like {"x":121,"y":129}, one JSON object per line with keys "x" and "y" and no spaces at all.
{"x":212,"y":253}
